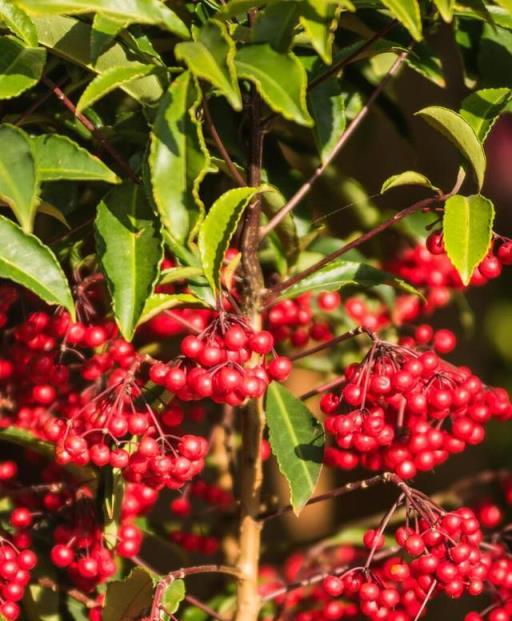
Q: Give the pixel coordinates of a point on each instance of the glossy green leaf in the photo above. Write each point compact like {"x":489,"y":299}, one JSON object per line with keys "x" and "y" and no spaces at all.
{"x":327,"y":106}
{"x":69,"y":38}
{"x":18,"y":22}
{"x":19,"y":183}
{"x":276,"y":24}
{"x":134,"y":11}
{"x":104,"y":31}
{"x":173,"y":595}
{"x":408,"y":177}
{"x":110,"y":80}
{"x":128,"y":599}
{"x":27,"y":261}
{"x":174,"y":274}
{"x":297,"y":441}
{"x":406,"y":12}
{"x":211,"y":57}
{"x":21,"y":67}
{"x":160,"y":302}
{"x":59,"y":157}
{"x":218,"y":228}
{"x":130,"y":250}
{"x":319,"y":22}
{"x":482,"y":109}
{"x":340,"y":273}
{"x":445,"y":8}
{"x":279,"y":78}
{"x":178,"y":158}
{"x":467,"y":232}
{"x":461,"y":134}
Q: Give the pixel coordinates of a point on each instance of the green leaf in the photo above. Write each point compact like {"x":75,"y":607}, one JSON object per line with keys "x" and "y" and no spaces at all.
{"x":134,"y":11}
{"x":113,"y":494}
{"x":482,"y":108}
{"x":506,"y":4}
{"x":276,"y":24}
{"x":19,"y":183}
{"x":408,"y":177}
{"x":279,"y":78}
{"x":59,"y":157}
{"x":340,"y":273}
{"x":297,"y":441}
{"x":104,"y":31}
{"x":467,"y":232}
{"x":461,"y":134}
{"x":178,"y":159}
{"x":110,"y":80}
{"x":408,"y":13}
{"x":27,"y":261}
{"x":319,"y":22}
{"x":21,"y":67}
{"x":445,"y":8}
{"x":218,"y":228}
{"x":18,"y":22}
{"x":179,"y":273}
{"x":173,"y":595}
{"x":160,"y":302}
{"x":69,"y":38}
{"x":211,"y":57}
{"x":327,"y":106}
{"x":130,"y":250}
{"x":128,"y":599}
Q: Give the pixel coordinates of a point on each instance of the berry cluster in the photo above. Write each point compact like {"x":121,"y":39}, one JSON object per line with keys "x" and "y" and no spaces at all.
{"x":407,"y":410}
{"x":15,"y":567}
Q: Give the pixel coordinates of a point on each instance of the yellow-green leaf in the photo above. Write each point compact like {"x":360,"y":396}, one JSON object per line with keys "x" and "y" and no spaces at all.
{"x":408,"y":177}
{"x":445,"y":8}
{"x":408,"y":13}
{"x":18,"y":22}
{"x":482,"y":109}
{"x":160,"y":302}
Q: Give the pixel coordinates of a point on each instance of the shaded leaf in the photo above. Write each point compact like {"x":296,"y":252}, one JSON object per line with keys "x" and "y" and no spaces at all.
{"x":18,"y":22}
{"x":19,"y":183}
{"x":408,"y":177}
{"x":276,"y":24}
{"x":279,"y":78}
{"x":134,"y":11}
{"x":59,"y":157}
{"x":130,"y":250}
{"x":297,"y":441}
{"x":327,"y":105}
{"x":21,"y":67}
{"x":286,"y":230}
{"x":113,"y":495}
{"x":339,"y":274}
{"x":104,"y":31}
{"x":407,"y":12}
{"x":160,"y":302}
{"x":110,"y":80}
{"x":126,"y":600}
{"x":460,"y":133}
{"x":482,"y":109}
{"x":178,"y":159}
{"x":218,"y":228}
{"x":211,"y":57}
{"x":467,"y":232}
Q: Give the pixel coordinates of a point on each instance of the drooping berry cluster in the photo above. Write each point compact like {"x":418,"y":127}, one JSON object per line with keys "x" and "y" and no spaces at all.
{"x":407,"y":410}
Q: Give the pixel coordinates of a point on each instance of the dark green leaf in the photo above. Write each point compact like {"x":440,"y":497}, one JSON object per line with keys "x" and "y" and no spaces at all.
{"x":467,"y":232}
{"x":160,"y":302}
{"x":218,"y":228}
{"x":408,"y":177}
{"x":18,"y":22}
{"x":276,"y":24}
{"x":178,"y":159}
{"x":408,"y":13}
{"x":482,"y":108}
{"x":342,"y":273}
{"x":327,"y":105}
{"x":297,"y":441}
{"x":211,"y":57}
{"x":461,"y":134}
{"x":20,"y":66}
{"x":130,"y":250}
{"x":134,"y":11}
{"x":104,"y":31}
{"x":110,"y":80}
{"x":59,"y":157}
{"x":128,"y":599}
{"x":19,"y":183}
{"x":279,"y":78}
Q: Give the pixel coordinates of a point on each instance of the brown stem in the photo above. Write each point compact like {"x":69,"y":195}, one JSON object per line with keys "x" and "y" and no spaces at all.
{"x":330,"y":343}
{"x":323,"y":388}
{"x":344,"y":138}
{"x":47,"y":583}
{"x":97,"y":134}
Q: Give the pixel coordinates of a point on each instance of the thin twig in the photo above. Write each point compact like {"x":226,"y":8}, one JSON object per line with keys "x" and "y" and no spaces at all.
{"x":47,"y":583}
{"x":344,"y":138}
{"x":97,"y":134}
{"x":330,"y":343}
{"x":322,"y":388}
